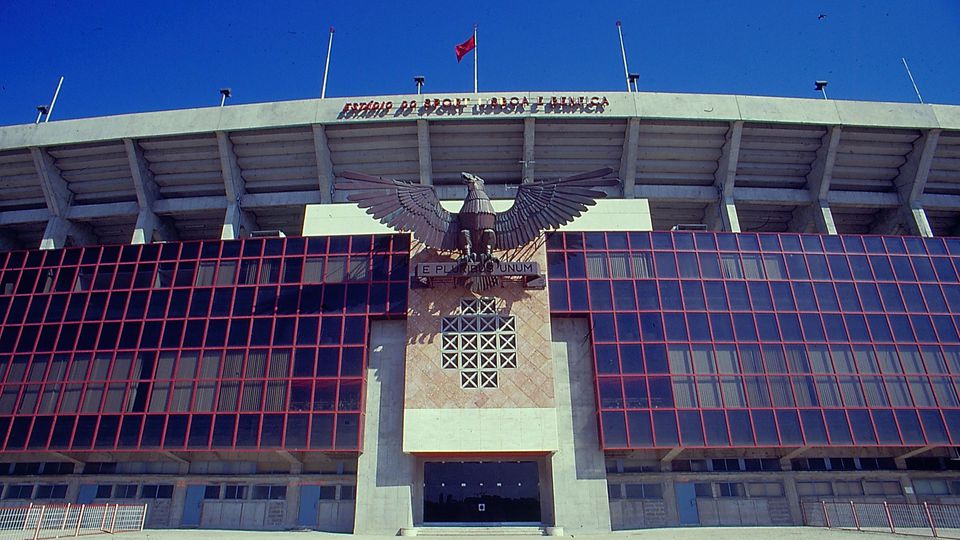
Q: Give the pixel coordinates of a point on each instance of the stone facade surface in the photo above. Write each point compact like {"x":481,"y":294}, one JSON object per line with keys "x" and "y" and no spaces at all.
{"x":529,"y":385}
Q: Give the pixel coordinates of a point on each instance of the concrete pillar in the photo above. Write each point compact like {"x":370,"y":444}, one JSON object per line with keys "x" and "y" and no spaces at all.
{"x":385,"y":475}
{"x":176,"y":502}
{"x":670,"y":502}
{"x":578,"y":467}
{"x":293,"y":503}
{"x":793,"y":499}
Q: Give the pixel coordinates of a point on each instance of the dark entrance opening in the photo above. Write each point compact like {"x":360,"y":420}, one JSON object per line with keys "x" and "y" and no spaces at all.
{"x":481,"y":492}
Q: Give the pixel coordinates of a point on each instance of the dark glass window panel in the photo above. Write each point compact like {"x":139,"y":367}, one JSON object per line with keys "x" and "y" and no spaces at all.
{"x":624,"y":297}
{"x":193,"y":336}
{"x":107,"y":432}
{"x":662,"y":240}
{"x":130,"y":432}
{"x":860,"y":267}
{"x":857,"y":328}
{"x":200,"y":303}
{"x":766,"y":428}
{"x":307,"y":330}
{"x":631,"y":358}
{"x":172,"y":332}
{"x":239,"y":332}
{"x":862,"y":427}
{"x":283,"y":330}
{"x":910,"y":426}
{"x":555,"y":266}
{"x":715,"y":425}
{"x":271,"y":432}
{"x":879,"y":328}
{"x":109,"y":334}
{"x":894,"y":244}
{"x":709,"y":265}
{"x":687,"y":265}
{"x":826,"y":297}
{"x":790,"y":327}
{"x":248,"y":428}
{"x":243,"y":301}
{"x":321,"y":431}
{"x":782,"y":296}
{"x":727,"y":242}
{"x":661,"y":393}
{"x":328,"y":363}
{"x":737,"y":294}
{"x":648,"y":298}
{"x":839,"y":267}
{"x":722,"y":327}
{"x":223,"y":430}
{"x":315,"y":246}
{"x":692,"y":295}
{"x":594,"y":240}
{"x":178,"y":303}
{"x":837,"y":427}
{"x":923,"y":328}
{"x":803,"y":292}
{"x":936,"y":303}
{"x":40,"y":432}
{"x":796,"y":266}
{"x":216,"y":333}
{"x":847,"y":293}
{"x":656,"y":358}
{"x":760,"y":296}
{"x":766,"y":327}
{"x":932,"y":426}
{"x":48,"y":338}
{"x":18,"y":433}
{"x":912,"y":297}
{"x":200,"y":425}
{"x":603,"y":328}
{"x":330,"y":330}
{"x":697,"y":322}
{"x":915,"y":245}
{"x":378,"y":298}
{"x":869,"y":296}
{"x":691,"y":428}
{"x":952,"y":293}
{"x":716,"y":295}
{"x":789,"y":424}
{"x":640,"y":430}
{"x":611,"y":394}
{"x":354,"y":330}
{"x":82,"y":435}
{"x":150,"y":336}
{"x":770,"y":242}
{"x":814,"y":429}
{"x":88,"y":336}
{"x":260,"y":333}
{"x":18,"y":308}
{"x":881,"y":268}
{"x":651,"y":326}
{"x":348,"y":431}
{"x":741,"y":432}
{"x":834,"y":326}
{"x":890,"y":294}
{"x":311,"y":298}
{"x":356,"y":297}
{"x":901,"y":328}
{"x":635,"y":393}
{"x":935,"y":246}
{"x":576,"y":265}
{"x":886,"y":426}
{"x":675,"y":326}
{"x":665,"y":428}
{"x":745,"y":328}
{"x":902,"y":269}
{"x":945,"y":329}
{"x":62,"y":430}
{"x":37,"y":308}
{"x":819,"y":270}
{"x":704,"y":241}
{"x":95,"y":307}
{"x":945,"y":270}
{"x":600,"y":296}
{"x":58,"y":303}
{"x":153,"y":428}
{"x":670,"y":295}
{"x":398,"y":298}
{"x":296,"y":432}
{"x":627,"y":327}
{"x":266,"y":301}
{"x":578,"y":296}
{"x":923,"y":268}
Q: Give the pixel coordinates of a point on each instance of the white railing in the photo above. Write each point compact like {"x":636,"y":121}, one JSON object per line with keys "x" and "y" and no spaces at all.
{"x":926,"y":519}
{"x":34,"y":522}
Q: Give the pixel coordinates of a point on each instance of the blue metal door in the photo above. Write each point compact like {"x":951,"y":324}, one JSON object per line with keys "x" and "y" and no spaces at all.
{"x":309,"y":497}
{"x":687,"y":504}
{"x":192,"y":505}
{"x":88,"y":492}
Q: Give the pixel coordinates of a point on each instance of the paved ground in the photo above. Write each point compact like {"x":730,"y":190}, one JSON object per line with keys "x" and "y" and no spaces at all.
{"x":701,"y":533}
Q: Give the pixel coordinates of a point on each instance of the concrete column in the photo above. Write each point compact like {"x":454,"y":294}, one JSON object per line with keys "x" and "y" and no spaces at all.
{"x":423,"y":152}
{"x":293,"y":504}
{"x":793,"y":500}
{"x":176,"y":502}
{"x":578,"y":467}
{"x":385,"y":475}
{"x":670,"y":502}
{"x":236,"y":223}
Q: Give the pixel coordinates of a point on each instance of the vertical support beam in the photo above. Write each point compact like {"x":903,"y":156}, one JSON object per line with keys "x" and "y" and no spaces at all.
{"x":149,"y":226}
{"x":628,"y":158}
{"x":912,"y":180}
{"x":59,"y":198}
{"x":725,"y":179}
{"x":423,"y":152}
{"x":529,"y":145}
{"x":325,"y":174}
{"x":820,"y":177}
{"x":236,"y":220}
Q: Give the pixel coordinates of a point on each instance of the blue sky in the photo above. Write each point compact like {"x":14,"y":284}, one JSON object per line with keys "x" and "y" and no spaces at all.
{"x":127,"y":56}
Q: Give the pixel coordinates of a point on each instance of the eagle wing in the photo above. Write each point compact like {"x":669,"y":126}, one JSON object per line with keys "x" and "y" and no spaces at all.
{"x":548,"y":204}
{"x":405,"y":207}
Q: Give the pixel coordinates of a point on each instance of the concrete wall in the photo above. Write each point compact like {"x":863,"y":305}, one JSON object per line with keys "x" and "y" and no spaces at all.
{"x":577,"y":468}
{"x":385,"y":475}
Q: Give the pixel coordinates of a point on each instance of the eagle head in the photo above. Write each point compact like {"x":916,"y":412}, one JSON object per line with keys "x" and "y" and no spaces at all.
{"x":472,"y":180}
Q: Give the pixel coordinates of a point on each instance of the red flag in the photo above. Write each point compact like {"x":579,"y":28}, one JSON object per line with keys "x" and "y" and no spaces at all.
{"x":465,"y":47}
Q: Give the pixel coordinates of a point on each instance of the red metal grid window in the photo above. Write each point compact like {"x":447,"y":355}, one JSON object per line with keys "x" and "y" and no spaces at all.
{"x":249,"y":344}
{"x":759,"y":340}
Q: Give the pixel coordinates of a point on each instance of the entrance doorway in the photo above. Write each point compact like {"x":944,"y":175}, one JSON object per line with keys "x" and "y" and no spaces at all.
{"x":487,"y":492}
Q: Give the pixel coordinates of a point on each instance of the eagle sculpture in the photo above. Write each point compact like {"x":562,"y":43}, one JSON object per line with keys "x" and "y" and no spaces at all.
{"x":477,"y":229}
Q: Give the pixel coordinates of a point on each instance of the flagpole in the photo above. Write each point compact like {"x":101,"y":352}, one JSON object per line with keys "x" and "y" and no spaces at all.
{"x":475,"y":50}
{"x":623,"y":51}
{"x":913,"y":82}
{"x":326,"y":67}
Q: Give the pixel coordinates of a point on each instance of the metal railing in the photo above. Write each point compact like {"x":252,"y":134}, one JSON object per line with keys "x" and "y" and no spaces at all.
{"x":34,"y":522}
{"x":925,"y":519}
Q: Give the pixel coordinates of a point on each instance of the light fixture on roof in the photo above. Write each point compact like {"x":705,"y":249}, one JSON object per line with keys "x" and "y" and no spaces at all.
{"x":419,"y":80}
{"x":224,"y":94}
{"x":41,"y":110}
{"x":821,"y":86}
{"x":632,"y":80}
{"x":689,"y":227}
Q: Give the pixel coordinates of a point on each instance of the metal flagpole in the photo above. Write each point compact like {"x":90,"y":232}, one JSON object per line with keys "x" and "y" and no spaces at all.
{"x":915,"y":89}
{"x":475,"y":50}
{"x":326,"y":67}
{"x":53,"y":101}
{"x":623,"y":51}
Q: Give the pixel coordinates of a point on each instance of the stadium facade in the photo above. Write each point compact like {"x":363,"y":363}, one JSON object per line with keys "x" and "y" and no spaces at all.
{"x":190,"y":318}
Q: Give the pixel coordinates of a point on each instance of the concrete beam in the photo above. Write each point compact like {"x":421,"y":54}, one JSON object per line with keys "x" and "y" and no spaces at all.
{"x":910,"y":184}
{"x":237,"y":221}
{"x":817,"y":216}
{"x":174,"y":457}
{"x":285,"y":198}
{"x":725,"y":177}
{"x":59,"y":230}
{"x":529,"y":146}
{"x":88,"y":212}
{"x":143,"y":181}
{"x":188,"y":205}
{"x":795,"y":453}
{"x":325,"y":174}
{"x":65,"y":457}
{"x":628,"y":158}
{"x":915,"y":452}
{"x":423,"y":152}
{"x":55,"y":190}
{"x":672,"y":454}
{"x":19,"y":217}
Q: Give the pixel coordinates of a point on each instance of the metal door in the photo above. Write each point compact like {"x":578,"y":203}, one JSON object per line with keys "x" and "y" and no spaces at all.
{"x":309,"y":497}
{"x":88,"y":492}
{"x":192,"y":505}
{"x":687,"y":504}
